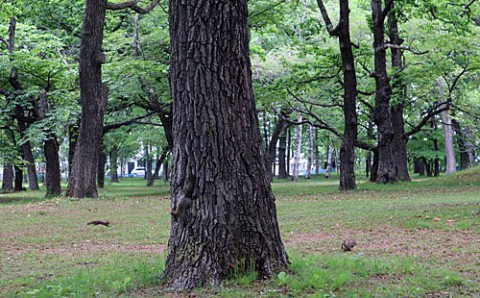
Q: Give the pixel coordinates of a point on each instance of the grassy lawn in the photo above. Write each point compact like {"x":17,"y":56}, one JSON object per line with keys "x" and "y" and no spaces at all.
{"x":417,"y":239}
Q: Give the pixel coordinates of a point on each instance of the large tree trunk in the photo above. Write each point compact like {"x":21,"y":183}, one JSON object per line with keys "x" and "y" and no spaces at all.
{"x":386,"y":168}
{"x":113,"y":156}
{"x":93,"y":98}
{"x":298,"y":150}
{"x":158,"y":164}
{"x":8,"y":176}
{"x":226,"y":217}
{"x":399,"y":141}
{"x":347,"y":148}
{"x":451,"y":164}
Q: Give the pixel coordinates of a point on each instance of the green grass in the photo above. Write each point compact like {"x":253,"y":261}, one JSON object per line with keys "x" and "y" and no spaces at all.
{"x":414,"y":239}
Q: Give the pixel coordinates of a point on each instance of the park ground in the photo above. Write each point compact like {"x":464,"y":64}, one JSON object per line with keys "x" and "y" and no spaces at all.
{"x":416,"y":239}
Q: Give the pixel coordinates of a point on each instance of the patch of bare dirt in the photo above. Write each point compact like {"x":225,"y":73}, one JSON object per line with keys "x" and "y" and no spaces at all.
{"x":387,"y":240}
{"x":85,"y":248}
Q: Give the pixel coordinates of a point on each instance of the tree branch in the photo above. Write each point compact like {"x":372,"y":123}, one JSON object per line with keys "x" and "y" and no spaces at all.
{"x":328,"y":23}
{"x":133,"y":6}
{"x":111,"y":126}
{"x":430,"y":113}
{"x":395,"y":46}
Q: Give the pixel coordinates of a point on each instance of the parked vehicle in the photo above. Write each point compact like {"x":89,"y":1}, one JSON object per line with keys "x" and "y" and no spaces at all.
{"x":138,"y":172}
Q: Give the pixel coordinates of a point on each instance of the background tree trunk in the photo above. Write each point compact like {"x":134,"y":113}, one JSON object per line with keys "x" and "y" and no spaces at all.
{"x":102,"y":160}
{"x":451,"y":164}
{"x":113,"y":156}
{"x":230,"y":223}
{"x":470,"y":146}
{"x":328,"y":166}
{"x":386,"y":168}
{"x":52,"y":160}
{"x":298,"y":150}
{"x":461,"y":144}
{"x":310,"y":151}
{"x":93,"y":98}
{"x":158,"y":164}
{"x":399,"y":140}
{"x":18,"y":183}
{"x":282,"y":158}
{"x":347,"y":148}
{"x":8,"y":176}
{"x":316,"y":153}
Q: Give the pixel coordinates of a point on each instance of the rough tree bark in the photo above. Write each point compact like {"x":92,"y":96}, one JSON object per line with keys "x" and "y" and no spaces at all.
{"x":399,"y":140}
{"x":386,"y":168}
{"x":347,"y":148}
{"x":227,"y":218}
{"x":93,"y":97}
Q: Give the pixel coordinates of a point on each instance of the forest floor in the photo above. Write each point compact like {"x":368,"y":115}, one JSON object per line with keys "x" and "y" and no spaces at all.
{"x":416,"y":239}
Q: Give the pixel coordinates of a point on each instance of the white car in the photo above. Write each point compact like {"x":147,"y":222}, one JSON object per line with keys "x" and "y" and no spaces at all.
{"x":138,"y":172}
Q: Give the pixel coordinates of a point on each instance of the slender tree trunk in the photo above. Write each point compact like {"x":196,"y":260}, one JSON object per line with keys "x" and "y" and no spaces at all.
{"x":461,"y":144}
{"x":289,"y":149}
{"x":280,"y":126}
{"x":28,"y":157}
{"x":221,"y":196}
{"x":51,"y":147}
{"x":368,"y":163}
{"x":8,"y":177}
{"x":470,"y":146}
{"x":166,"y":171}
{"x":451,"y":163}
{"x":32,"y":172}
{"x":310,"y":151}
{"x":93,"y":98}
{"x":316,"y":153}
{"x":282,"y":158}
{"x":374,"y":168}
{"x":435,"y":163}
{"x":298,"y":150}
{"x":72,"y":143}
{"x":148,"y":163}
{"x":114,"y":165}
{"x":419,"y":166}
{"x":158,"y":164}
{"x":386,"y":168}
{"x":328,"y":168}
{"x":399,"y":141}
{"x":102,"y":160}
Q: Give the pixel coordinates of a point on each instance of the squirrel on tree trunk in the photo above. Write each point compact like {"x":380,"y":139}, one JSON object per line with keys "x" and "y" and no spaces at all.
{"x":184,"y":199}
